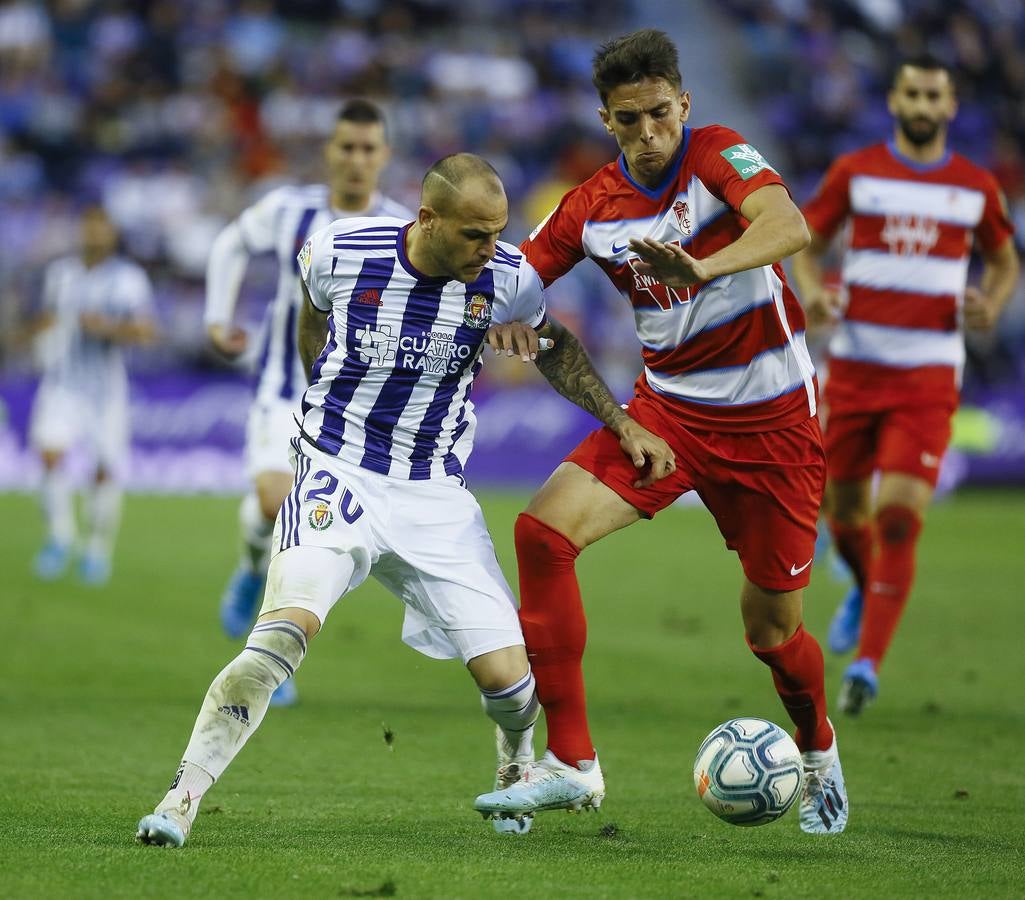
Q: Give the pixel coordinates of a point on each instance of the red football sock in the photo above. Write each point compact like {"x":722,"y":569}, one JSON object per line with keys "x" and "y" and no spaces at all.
{"x":798,"y":673}
{"x":854,"y":544}
{"x":889,"y":579}
{"x":555,"y":631}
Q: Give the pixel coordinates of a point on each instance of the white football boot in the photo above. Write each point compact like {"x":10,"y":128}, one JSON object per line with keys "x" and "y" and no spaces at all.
{"x":824,"y":804}
{"x":167,"y":828}
{"x":546,"y":784}
{"x":510,"y":767}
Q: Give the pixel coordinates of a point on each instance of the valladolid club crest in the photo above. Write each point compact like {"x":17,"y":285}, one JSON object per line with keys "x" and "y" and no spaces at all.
{"x":321,"y":516}
{"x":478,"y":311}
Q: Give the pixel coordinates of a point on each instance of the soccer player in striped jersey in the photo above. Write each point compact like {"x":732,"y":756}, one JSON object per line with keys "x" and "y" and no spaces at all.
{"x":913,"y":209}
{"x":690,"y":224}
{"x":356,"y":154}
{"x":393,"y":329}
{"x":94,"y":305}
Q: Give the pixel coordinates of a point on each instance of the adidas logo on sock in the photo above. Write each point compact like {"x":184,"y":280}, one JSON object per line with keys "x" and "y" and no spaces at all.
{"x":236,"y":712}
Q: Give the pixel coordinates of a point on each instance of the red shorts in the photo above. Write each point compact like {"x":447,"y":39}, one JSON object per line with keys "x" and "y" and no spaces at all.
{"x":763,"y":489}
{"x":911,"y":440}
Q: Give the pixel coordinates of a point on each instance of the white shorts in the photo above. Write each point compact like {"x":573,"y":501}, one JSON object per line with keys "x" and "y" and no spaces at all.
{"x":426,"y":541}
{"x":62,"y":418}
{"x":269,"y":432}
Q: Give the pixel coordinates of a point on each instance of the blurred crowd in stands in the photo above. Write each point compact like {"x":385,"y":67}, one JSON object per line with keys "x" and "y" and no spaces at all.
{"x":175,"y":114}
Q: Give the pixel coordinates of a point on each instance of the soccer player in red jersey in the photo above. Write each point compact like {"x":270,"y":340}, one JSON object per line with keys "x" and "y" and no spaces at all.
{"x":913,"y":208}
{"x":690,"y":224}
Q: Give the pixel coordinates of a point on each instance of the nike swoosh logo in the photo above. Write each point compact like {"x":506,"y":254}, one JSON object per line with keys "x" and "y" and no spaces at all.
{"x":617,"y":250}
{"x":797,"y":571}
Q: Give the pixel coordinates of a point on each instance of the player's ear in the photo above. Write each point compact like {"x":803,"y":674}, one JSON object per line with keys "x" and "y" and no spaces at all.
{"x":684,"y":106}
{"x":426,"y":218}
{"x":606,"y":119}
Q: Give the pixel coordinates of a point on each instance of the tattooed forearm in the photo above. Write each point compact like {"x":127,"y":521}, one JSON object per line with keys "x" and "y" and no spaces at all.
{"x":570,"y":371}
{"x":312,"y":332}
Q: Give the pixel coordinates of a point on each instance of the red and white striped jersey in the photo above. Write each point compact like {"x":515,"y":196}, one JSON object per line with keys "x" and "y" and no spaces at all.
{"x":905,"y":267}
{"x":725,"y":355}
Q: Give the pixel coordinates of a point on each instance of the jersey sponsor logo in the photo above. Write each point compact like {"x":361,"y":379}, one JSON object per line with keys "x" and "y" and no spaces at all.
{"x":305,"y":258}
{"x":663,"y":295}
{"x":746,"y":160}
{"x":910,"y":235}
{"x":477,"y":313}
{"x":617,"y":249}
{"x":376,"y":345}
{"x":682,"y":212}
{"x":434,"y":352}
{"x":321,"y":517}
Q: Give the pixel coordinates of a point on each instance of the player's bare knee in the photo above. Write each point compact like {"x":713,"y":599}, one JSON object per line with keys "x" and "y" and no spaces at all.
{"x":849,"y":503}
{"x":499,"y":668}
{"x":51,"y":459}
{"x":770,"y":617}
{"x":307,"y":621}
{"x":897,"y":524}
{"x":271,"y":490}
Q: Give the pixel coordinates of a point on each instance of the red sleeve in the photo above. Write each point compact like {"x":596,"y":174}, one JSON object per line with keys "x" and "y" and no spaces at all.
{"x":995,"y":226}
{"x":831,"y":204}
{"x":730,"y":167}
{"x":555,"y":246}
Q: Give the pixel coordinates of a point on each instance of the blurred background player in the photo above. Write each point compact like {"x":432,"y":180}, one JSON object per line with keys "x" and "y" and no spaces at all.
{"x":728,"y":383}
{"x":94,"y":304}
{"x":355,"y":154}
{"x":898,"y":351}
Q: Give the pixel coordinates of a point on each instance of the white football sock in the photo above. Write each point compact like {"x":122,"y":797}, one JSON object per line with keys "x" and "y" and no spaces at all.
{"x":104,"y":516}
{"x":256,"y":531}
{"x":514,"y":709}
{"x":58,"y":506}
{"x":232,"y":710}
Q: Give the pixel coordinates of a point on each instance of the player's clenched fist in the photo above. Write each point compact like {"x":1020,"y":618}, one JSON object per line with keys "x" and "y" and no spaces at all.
{"x":822,"y":308}
{"x":647,"y":451}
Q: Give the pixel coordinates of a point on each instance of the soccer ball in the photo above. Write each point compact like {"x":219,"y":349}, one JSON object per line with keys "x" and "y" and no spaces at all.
{"x":748,"y":772}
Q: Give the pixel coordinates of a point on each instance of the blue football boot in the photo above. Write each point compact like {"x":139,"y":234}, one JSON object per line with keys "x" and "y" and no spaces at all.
{"x":239,"y":602}
{"x":845,"y":629}
{"x":51,"y":561}
{"x":860,"y":687}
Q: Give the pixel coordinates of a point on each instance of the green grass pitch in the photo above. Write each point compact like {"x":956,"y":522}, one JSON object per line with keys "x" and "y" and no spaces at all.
{"x":99,"y":690}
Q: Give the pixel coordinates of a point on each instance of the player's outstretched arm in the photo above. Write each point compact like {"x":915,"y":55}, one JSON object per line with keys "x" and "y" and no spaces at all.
{"x":569,"y":370}
{"x":776,"y":231}
{"x":312,"y":331}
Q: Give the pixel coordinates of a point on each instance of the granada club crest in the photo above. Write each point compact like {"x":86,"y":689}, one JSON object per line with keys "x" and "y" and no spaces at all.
{"x":321,"y":517}
{"x":477,"y":313}
{"x":682,"y":211}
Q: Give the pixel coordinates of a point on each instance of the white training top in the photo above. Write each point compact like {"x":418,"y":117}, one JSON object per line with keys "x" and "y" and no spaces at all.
{"x":391,"y":389}
{"x":88,"y":366}
{"x":279,"y":222}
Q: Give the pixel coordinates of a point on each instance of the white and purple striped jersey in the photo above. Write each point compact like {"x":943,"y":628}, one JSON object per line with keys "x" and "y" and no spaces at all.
{"x":73,"y":360}
{"x":281,"y":222}
{"x":391,"y":389}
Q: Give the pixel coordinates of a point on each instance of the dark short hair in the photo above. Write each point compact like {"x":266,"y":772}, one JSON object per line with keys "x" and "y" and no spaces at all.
{"x":648,"y":53}
{"x":925,"y":61}
{"x":361,"y":111}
